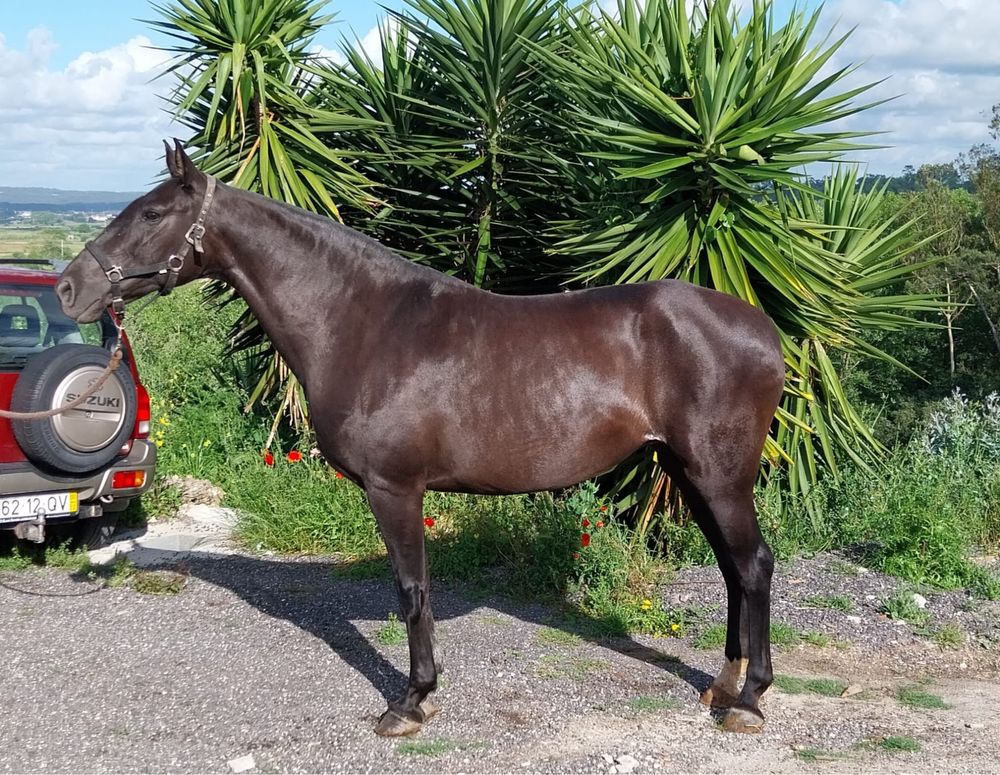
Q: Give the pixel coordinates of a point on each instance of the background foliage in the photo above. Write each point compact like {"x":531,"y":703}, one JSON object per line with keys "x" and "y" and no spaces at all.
{"x":528,"y":146}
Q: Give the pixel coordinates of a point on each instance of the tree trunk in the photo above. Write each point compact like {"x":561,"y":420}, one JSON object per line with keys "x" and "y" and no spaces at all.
{"x":989,"y":321}
{"x":949,"y":320}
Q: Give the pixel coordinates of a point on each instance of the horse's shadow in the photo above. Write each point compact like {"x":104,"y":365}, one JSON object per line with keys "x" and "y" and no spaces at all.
{"x":321,"y":598}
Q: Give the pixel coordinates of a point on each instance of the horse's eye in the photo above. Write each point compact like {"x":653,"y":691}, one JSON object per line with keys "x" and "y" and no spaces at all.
{"x":151,"y":215}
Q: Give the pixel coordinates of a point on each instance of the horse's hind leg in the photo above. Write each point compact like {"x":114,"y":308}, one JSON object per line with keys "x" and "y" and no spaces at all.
{"x":400,"y":519}
{"x":724,"y":509}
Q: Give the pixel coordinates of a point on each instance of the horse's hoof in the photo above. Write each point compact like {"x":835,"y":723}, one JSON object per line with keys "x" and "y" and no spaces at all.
{"x":743,"y":720}
{"x":717,"y":697}
{"x":429,"y":708}
{"x":395,"y":724}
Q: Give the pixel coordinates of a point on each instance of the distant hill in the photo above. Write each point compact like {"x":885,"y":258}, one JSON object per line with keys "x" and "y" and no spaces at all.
{"x":54,"y":199}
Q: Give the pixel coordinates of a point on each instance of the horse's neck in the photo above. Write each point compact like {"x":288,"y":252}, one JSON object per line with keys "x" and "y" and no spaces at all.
{"x":301,"y":285}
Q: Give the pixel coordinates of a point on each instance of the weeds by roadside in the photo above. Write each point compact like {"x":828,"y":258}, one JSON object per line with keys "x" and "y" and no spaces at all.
{"x":915,"y":517}
{"x":916,"y":697}
{"x":392,"y":633}
{"x":825,"y":687}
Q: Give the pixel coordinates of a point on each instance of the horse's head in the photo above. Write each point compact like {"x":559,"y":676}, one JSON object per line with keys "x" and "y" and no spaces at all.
{"x":153,"y":245}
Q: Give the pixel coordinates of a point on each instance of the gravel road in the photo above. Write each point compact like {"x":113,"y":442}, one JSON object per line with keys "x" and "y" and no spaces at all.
{"x":279,"y":660}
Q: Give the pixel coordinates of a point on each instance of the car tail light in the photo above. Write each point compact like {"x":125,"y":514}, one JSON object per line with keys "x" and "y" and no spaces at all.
{"x":143,"y":414}
{"x":123,"y":480}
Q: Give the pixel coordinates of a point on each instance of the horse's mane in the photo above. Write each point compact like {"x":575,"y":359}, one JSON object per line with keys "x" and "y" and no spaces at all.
{"x":335,"y":240}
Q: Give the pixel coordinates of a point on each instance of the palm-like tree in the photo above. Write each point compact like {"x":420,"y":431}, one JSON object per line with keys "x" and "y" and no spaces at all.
{"x":521,"y":144}
{"x":244,"y":86}
{"x":469,"y":171}
{"x":701,"y":123}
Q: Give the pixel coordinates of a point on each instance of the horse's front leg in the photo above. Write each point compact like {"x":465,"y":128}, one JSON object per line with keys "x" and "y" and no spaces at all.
{"x":399,"y":513}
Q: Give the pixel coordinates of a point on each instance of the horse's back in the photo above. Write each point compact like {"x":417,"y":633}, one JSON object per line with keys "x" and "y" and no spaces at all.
{"x":492,"y":393}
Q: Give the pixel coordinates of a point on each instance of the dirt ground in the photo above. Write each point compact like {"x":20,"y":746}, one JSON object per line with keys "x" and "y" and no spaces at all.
{"x":282,"y":662}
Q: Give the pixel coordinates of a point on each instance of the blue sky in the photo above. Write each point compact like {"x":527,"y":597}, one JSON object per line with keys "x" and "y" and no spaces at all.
{"x":79,"y":108}
{"x":79,"y":26}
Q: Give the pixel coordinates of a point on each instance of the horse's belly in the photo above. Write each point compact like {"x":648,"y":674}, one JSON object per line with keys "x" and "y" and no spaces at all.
{"x":542,"y":455}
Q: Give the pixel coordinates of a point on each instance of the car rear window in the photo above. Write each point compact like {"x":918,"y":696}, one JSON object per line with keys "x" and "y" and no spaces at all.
{"x":31,"y":320}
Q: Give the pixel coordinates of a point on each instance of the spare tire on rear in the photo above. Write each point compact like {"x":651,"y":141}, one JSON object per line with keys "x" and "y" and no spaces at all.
{"x":82,"y":439}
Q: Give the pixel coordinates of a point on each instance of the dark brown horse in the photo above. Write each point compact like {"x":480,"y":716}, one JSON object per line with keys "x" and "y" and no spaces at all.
{"x":419,"y":381}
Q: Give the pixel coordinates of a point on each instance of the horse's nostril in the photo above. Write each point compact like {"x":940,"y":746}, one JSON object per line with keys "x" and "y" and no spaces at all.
{"x":64,"y":290}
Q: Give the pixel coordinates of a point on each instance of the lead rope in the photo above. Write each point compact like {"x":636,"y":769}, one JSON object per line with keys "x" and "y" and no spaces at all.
{"x":113,"y":363}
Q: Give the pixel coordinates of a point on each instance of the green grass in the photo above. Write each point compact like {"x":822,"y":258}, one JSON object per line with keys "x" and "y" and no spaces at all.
{"x":158,"y":582}
{"x":901,"y":606}
{"x":711,"y":637}
{"x":16,"y":560}
{"x":435,"y":747}
{"x":899,"y":743}
{"x":27,"y":555}
{"x":549,"y":636}
{"x":392,"y":633}
{"x":645,"y":704}
{"x":911,"y":519}
{"x":44,"y":241}
{"x":826,"y":687}
{"x":843,"y":568}
{"x":496,"y":620}
{"x":122,"y":572}
{"x":948,"y":636}
{"x":816,"y":638}
{"x":916,"y":697}
{"x":782,"y":635}
{"x":67,"y":559}
{"x":526,"y":547}
{"x":812,"y":755}
{"x":118,"y":573}
{"x":574,"y":668}
{"x":831,"y":602}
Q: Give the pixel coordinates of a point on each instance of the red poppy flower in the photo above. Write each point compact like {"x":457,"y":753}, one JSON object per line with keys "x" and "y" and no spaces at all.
{"x":586,"y":523}
{"x":585,"y":539}
{"x":603,"y":509}
{"x":268,"y":459}
{"x":339,"y":475}
{"x":599,"y":524}
{"x":429,"y":521}
{"x":294,"y":456}
{"x":576,"y":555}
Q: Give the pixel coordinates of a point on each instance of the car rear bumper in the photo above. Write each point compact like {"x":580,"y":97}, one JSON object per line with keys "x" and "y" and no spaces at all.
{"x":26,"y":479}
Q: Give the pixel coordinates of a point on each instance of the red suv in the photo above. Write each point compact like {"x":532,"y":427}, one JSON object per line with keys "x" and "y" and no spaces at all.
{"x":69,"y":476}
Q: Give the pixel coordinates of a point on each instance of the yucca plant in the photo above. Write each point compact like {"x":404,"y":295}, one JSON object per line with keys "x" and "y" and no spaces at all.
{"x":469,"y":171}
{"x":244,"y":86}
{"x":701,"y":123}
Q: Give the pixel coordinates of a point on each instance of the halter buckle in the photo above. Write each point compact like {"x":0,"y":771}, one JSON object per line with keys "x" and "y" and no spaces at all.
{"x":115,"y":274}
{"x":194,"y":235}
{"x":175,"y":263}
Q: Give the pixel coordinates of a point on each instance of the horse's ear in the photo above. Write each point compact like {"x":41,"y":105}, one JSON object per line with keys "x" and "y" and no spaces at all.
{"x":181,"y":167}
{"x":173,"y":163}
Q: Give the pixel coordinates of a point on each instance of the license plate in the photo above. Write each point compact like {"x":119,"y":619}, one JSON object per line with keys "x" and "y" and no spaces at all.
{"x":52,"y":504}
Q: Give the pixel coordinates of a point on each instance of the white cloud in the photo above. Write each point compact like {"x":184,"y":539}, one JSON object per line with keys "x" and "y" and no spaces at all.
{"x":95,"y":124}
{"x":942,"y":60}
{"x":371,"y":41}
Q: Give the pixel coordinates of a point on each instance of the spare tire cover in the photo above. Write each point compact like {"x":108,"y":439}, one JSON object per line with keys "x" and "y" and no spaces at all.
{"x":82,"y":439}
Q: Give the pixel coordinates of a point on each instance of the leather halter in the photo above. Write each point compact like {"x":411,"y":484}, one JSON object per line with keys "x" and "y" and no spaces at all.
{"x":170,"y":269}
